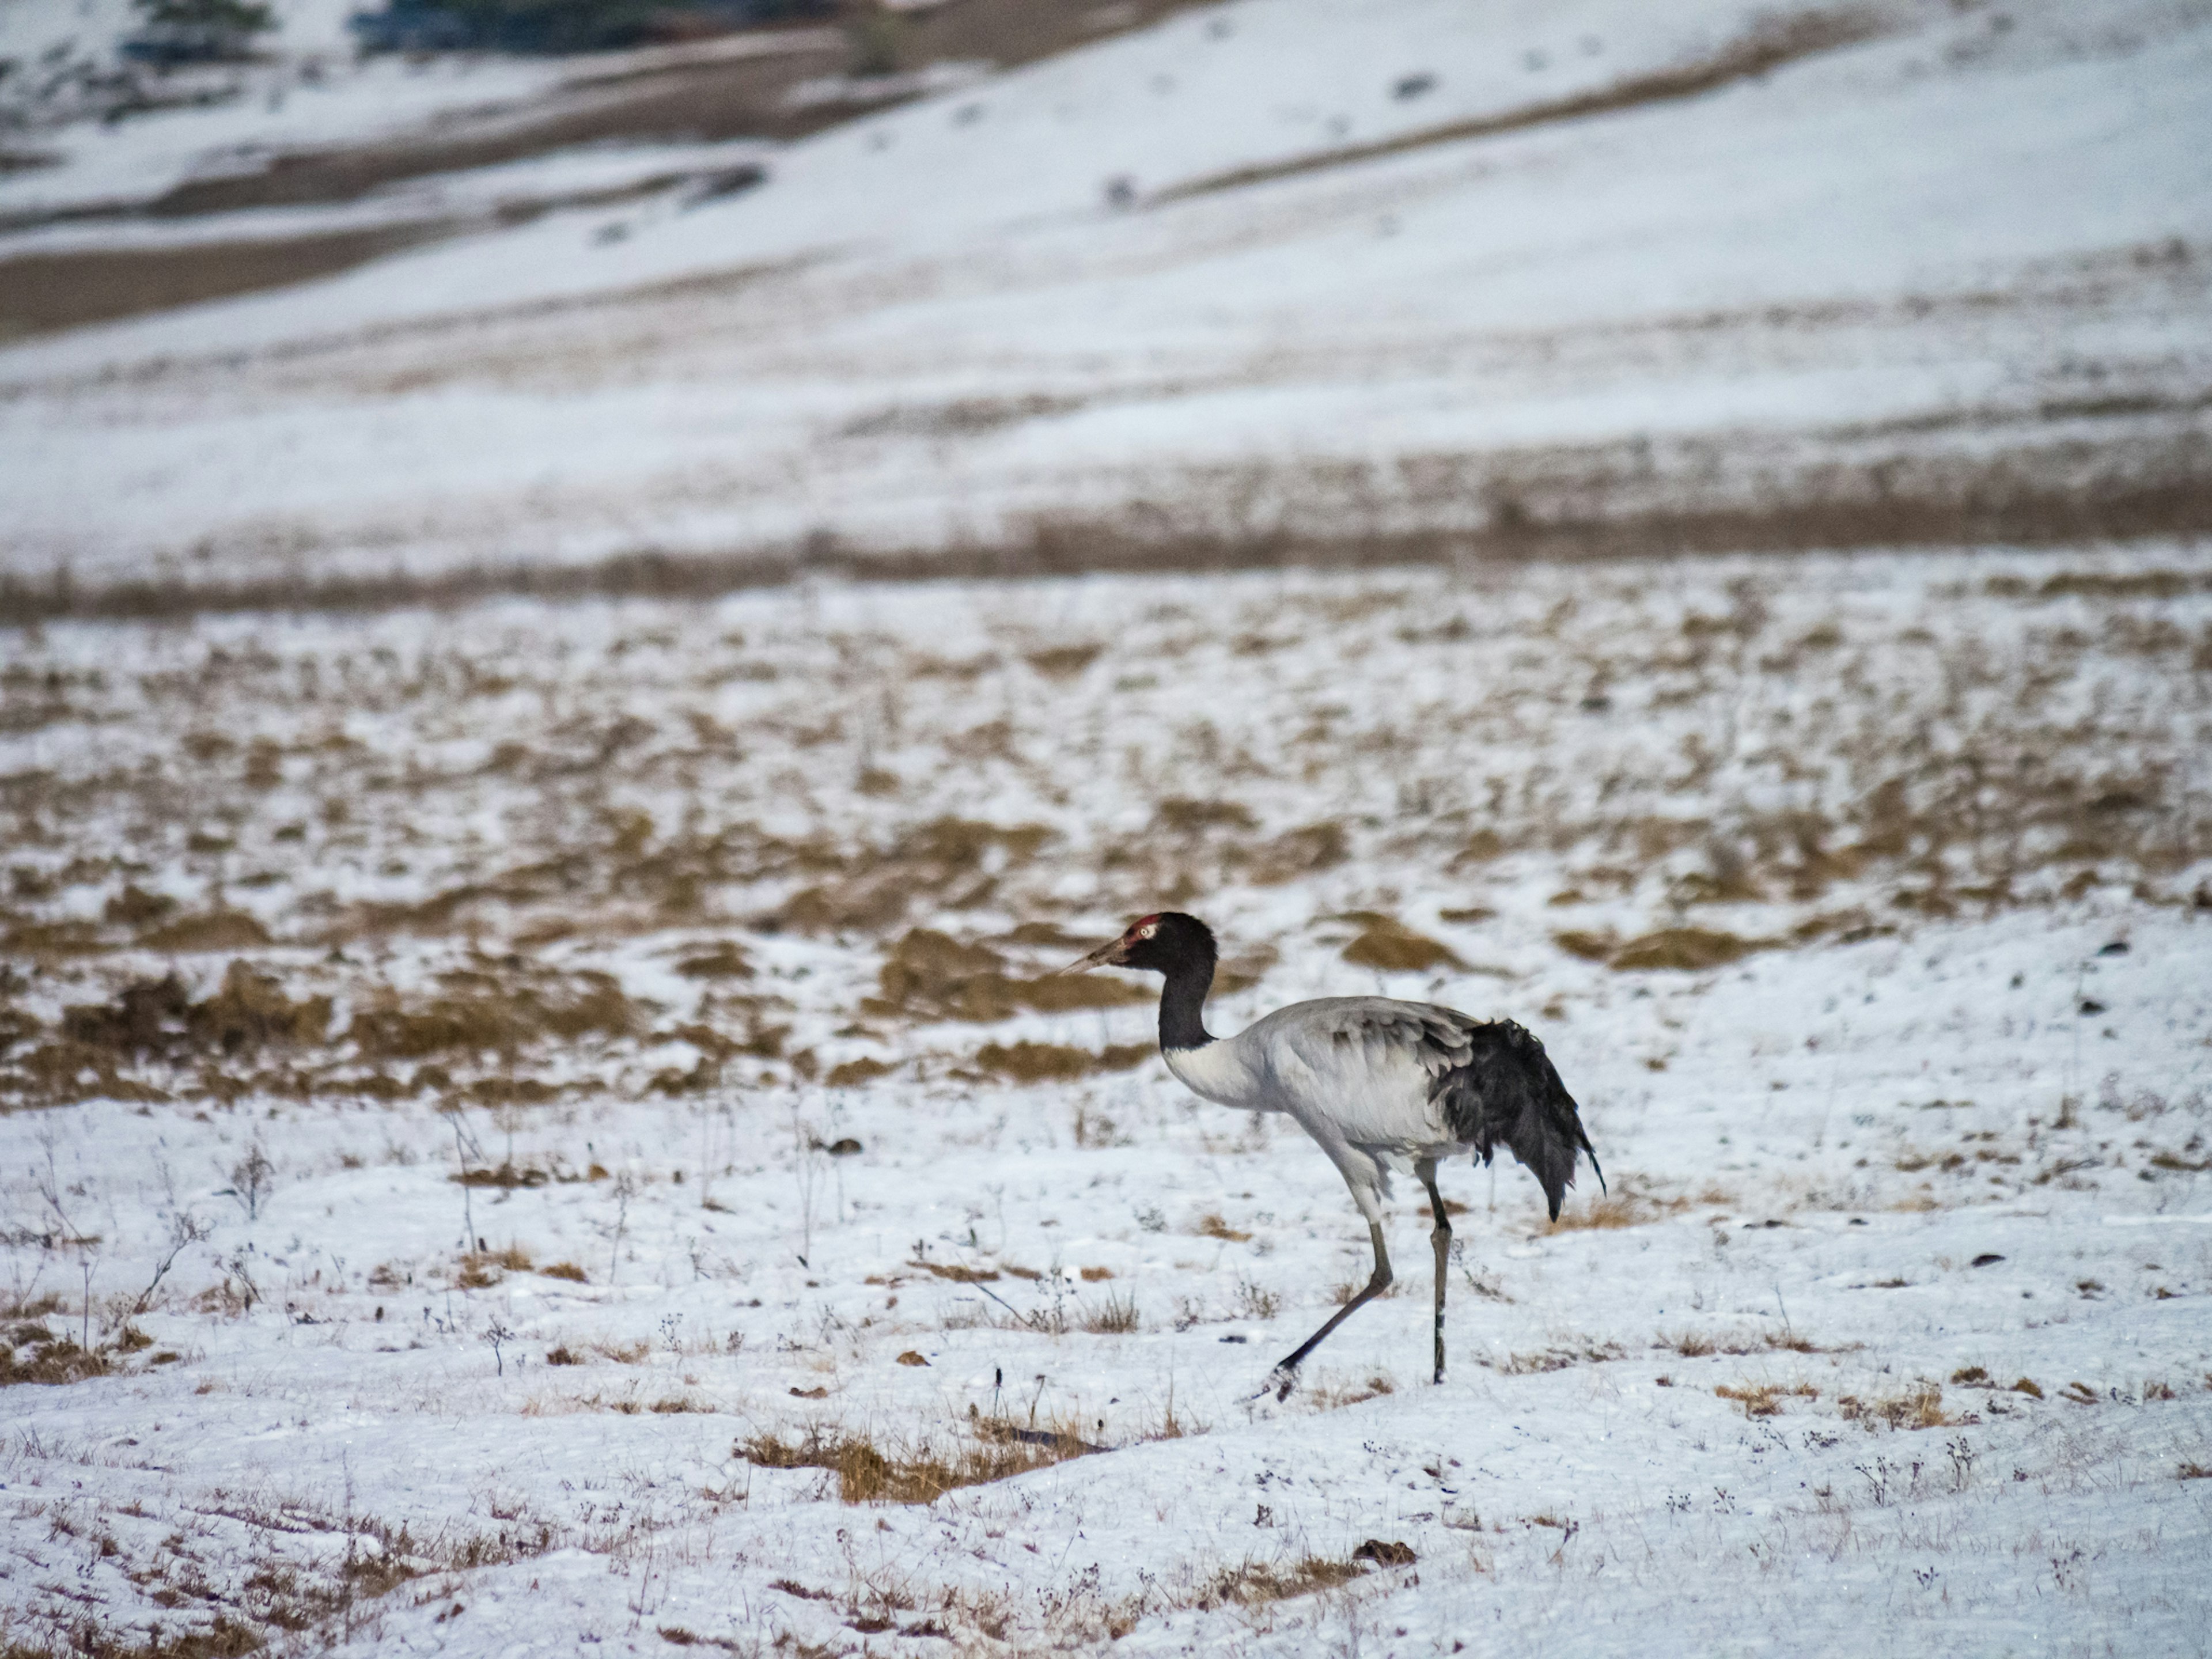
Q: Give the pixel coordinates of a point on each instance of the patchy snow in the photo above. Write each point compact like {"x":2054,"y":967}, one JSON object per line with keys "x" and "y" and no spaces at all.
{"x":1941,"y":1126}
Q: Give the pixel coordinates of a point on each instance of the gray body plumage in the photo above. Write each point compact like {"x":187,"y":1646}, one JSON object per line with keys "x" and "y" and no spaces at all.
{"x":1383,"y":1084}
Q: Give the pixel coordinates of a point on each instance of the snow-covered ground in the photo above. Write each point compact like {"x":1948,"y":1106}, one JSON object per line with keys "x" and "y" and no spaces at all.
{"x":1284,"y":268}
{"x":700,"y":937}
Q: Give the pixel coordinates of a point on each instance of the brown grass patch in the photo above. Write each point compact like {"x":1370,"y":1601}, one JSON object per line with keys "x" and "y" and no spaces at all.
{"x":1195,"y":818}
{"x":480,"y":1010}
{"x":1389,"y":947}
{"x":873,"y":888}
{"x":1211,"y":1225}
{"x":920,"y":1474}
{"x":505,"y":1178}
{"x":483,"y":1268}
{"x":156,"y":1018}
{"x":1920,"y":1406}
{"x":1294,"y":853}
{"x":1765,"y":1399}
{"x":1590,"y":947}
{"x":933,"y":976}
{"x":1330,"y":1396}
{"x":1557,"y":1357}
{"x":1057,"y":1062}
{"x":956,"y":1274}
{"x":568,"y":1270}
{"x":1627,"y":1207}
{"x":1063,"y":661}
{"x":1687,"y":949}
{"x":1254,"y":1582}
{"x":32,"y":1353}
{"x":724,"y":961}
{"x":1696,"y":1345}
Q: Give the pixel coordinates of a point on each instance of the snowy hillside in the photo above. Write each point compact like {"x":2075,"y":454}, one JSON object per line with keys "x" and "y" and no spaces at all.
{"x":1283,"y":274}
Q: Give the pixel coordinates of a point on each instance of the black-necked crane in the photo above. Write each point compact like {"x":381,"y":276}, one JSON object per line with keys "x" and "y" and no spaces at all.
{"x":1381,"y":1085}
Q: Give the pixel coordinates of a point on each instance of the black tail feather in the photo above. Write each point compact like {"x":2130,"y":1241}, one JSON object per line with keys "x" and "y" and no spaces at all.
{"x":1509,"y":1093}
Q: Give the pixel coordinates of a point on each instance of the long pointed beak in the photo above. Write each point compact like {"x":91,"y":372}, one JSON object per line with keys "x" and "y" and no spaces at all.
{"x":1106,"y":956}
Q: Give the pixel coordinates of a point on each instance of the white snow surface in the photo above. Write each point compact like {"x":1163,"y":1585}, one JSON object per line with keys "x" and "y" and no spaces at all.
{"x":934,"y":327}
{"x":1960,"y":1142}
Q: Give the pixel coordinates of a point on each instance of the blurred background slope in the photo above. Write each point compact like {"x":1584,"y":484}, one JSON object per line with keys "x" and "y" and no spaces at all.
{"x":1018,"y":285}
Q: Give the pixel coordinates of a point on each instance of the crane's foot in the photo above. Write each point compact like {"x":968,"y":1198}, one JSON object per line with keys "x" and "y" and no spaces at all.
{"x":1280,"y":1381}
{"x":1439,"y":1380}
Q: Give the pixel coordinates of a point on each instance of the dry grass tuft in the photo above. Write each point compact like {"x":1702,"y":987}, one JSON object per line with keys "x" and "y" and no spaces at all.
{"x":1329,"y":1396}
{"x":1555,"y":1357}
{"x":1696,"y":1345}
{"x":1115,"y":1316}
{"x":920,"y":1474}
{"x":505,"y":1178}
{"x":1765,"y":1399}
{"x":32,"y":1353}
{"x":957,"y":1274}
{"x":1626,"y":1208}
{"x":1254,"y":1582}
{"x":1920,"y":1406}
{"x":1211,"y":1225}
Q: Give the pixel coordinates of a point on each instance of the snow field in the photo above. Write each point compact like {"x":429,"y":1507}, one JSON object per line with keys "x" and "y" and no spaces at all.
{"x":696,"y":941}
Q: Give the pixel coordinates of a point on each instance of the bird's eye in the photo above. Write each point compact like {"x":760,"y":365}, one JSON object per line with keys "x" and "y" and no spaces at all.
{"x":1148,"y":930}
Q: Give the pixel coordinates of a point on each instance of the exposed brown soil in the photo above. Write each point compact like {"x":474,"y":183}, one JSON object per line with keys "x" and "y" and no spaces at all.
{"x":2067,"y":492}
{"x":40,"y":292}
{"x":738,"y":100}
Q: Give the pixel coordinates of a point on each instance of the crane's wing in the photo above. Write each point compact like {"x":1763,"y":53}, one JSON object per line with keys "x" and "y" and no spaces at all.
{"x":1490,"y":1081}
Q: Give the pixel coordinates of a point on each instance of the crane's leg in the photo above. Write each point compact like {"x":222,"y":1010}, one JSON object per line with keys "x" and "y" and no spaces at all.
{"x":1284,"y":1377}
{"x":1440,"y":1235}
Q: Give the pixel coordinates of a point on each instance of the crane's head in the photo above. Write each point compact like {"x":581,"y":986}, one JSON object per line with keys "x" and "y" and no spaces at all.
{"x":1162,"y":943}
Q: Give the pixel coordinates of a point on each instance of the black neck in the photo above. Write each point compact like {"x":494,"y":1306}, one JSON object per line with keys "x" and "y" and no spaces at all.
{"x":1183,"y":1004}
